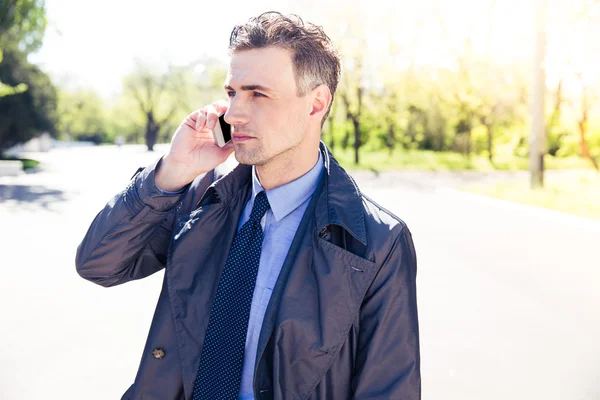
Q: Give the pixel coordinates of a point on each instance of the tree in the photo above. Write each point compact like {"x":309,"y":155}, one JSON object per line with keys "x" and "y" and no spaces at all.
{"x":354,"y":110}
{"x":352,"y":88}
{"x":161,"y":99}
{"x":583,"y":121}
{"x":158,"y":96}
{"x":82,"y":115}
{"x":589,"y":9}
{"x":154,"y":102}
{"x":537,"y":136}
{"x":27,"y":114}
{"x":390,"y":116}
{"x":22,"y":23}
{"x":27,"y":97}
{"x":578,"y":82}
{"x":7,"y":90}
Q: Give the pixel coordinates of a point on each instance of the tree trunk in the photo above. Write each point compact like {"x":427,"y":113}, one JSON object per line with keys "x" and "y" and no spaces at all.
{"x":355,"y":118}
{"x":151,"y":135}
{"x":583,"y":126}
{"x":151,"y":132}
{"x":490,"y":143}
{"x":469,"y":143}
{"x":356,"y":123}
{"x":537,"y":137}
{"x":356,"y":139}
{"x":346,"y":139}
{"x":391,"y":139}
{"x":469,"y":130}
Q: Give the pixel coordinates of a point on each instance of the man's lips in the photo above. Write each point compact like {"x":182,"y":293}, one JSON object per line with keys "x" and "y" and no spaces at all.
{"x":242,"y":137}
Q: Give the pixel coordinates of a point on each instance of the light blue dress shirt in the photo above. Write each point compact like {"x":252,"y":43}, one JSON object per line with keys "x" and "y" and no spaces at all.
{"x":280,"y":223}
{"x":288,"y":204}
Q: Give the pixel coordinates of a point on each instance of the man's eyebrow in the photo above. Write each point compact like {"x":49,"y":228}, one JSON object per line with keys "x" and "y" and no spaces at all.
{"x":251,"y":87}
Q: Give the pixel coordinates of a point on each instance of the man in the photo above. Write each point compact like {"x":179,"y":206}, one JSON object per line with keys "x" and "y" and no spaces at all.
{"x":282,"y":280}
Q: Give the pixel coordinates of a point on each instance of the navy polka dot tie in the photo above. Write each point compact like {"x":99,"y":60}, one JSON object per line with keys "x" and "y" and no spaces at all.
{"x":220,"y":370}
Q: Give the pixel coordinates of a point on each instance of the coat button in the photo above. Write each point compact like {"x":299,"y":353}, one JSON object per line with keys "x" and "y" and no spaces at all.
{"x":158,"y":353}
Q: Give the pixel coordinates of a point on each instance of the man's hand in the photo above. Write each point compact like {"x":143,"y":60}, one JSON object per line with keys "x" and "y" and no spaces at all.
{"x":193,"y":149}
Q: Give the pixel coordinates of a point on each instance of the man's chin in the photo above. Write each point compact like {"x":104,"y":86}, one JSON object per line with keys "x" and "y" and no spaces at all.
{"x":247,"y":159}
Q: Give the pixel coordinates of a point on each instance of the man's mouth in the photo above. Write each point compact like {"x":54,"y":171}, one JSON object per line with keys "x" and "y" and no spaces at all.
{"x":242,"y":137}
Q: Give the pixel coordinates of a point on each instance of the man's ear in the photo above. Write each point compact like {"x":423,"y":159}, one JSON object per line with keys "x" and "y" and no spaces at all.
{"x":321,"y":98}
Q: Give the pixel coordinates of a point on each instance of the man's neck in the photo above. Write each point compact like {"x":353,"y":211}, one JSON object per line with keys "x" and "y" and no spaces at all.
{"x":285,"y":169}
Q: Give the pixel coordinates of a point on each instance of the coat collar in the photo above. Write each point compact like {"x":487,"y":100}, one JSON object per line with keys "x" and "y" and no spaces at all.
{"x":339,"y":203}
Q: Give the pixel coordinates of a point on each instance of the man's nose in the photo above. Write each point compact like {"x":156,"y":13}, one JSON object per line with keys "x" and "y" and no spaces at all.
{"x":237,"y":113}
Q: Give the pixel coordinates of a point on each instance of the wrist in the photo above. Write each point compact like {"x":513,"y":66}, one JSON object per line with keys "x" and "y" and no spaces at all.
{"x":172,"y":177}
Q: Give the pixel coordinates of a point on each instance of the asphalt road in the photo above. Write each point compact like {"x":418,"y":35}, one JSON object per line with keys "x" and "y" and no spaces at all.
{"x":509,"y":296}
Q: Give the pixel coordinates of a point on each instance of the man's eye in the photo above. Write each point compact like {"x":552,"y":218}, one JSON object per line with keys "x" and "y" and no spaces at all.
{"x":230,"y":94}
{"x":257,"y":94}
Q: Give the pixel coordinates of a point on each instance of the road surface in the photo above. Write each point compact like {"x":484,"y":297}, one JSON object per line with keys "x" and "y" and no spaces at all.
{"x":509,"y":296}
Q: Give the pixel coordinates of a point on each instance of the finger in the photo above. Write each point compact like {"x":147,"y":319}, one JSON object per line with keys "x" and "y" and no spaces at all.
{"x":221,"y":106}
{"x":200,"y":120}
{"x":191,"y":119}
{"x":211,"y":117}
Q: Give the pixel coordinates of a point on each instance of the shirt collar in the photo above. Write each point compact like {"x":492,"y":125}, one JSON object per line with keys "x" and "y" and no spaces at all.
{"x":286,"y":198}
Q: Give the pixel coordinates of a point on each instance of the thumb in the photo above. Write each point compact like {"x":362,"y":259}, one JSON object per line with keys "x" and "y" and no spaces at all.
{"x":228,"y":148}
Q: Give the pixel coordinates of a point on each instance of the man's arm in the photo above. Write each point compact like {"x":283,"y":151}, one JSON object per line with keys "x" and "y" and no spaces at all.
{"x":130,"y":237}
{"x":388,"y":361}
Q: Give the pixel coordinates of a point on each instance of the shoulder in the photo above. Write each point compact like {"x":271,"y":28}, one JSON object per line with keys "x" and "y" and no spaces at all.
{"x":377,"y":215}
{"x":386,"y":232}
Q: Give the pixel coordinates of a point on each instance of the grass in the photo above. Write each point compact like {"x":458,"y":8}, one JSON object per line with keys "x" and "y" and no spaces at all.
{"x":445,"y":161}
{"x":27,"y":163}
{"x":572,"y":192}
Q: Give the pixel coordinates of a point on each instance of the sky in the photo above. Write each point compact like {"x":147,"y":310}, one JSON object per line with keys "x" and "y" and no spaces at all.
{"x":95,"y":43}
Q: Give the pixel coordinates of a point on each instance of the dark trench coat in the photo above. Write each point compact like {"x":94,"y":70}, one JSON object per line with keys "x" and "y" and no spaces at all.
{"x":342,"y":320}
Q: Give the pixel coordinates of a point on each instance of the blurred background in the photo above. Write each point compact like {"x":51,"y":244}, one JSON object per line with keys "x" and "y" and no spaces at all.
{"x":477,"y":122}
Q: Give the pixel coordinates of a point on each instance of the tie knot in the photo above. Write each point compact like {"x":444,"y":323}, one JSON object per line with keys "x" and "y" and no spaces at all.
{"x":260,"y":207}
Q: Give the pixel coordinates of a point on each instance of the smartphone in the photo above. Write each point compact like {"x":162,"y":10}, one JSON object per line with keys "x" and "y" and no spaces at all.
{"x":222,"y":132}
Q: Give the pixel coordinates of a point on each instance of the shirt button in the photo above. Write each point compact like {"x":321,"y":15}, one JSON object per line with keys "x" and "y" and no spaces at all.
{"x":158,"y":353}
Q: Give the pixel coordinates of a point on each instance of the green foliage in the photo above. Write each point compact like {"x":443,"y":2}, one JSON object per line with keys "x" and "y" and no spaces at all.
{"x":25,"y":115}
{"x":573,"y":192}
{"x":27,"y":96}
{"x":152,"y":92}
{"x":22,"y":25}
{"x":151,"y":107}
{"x":124,"y":119}
{"x":439,"y":110}
{"x":22,"y":22}
{"x":6,"y":90}
{"x":82,"y":116}
{"x":427,"y":160}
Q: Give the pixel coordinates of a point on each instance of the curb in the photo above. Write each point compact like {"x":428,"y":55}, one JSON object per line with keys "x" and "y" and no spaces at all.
{"x":10,"y":168}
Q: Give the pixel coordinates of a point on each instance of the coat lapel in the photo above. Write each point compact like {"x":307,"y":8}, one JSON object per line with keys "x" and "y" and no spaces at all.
{"x":318,"y":294}
{"x":194,"y":266}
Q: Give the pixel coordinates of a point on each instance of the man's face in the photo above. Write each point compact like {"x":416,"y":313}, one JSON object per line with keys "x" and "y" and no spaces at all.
{"x":268,"y":118}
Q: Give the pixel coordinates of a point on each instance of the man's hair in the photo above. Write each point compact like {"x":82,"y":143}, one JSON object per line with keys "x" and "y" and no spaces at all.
{"x":314,"y":58}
